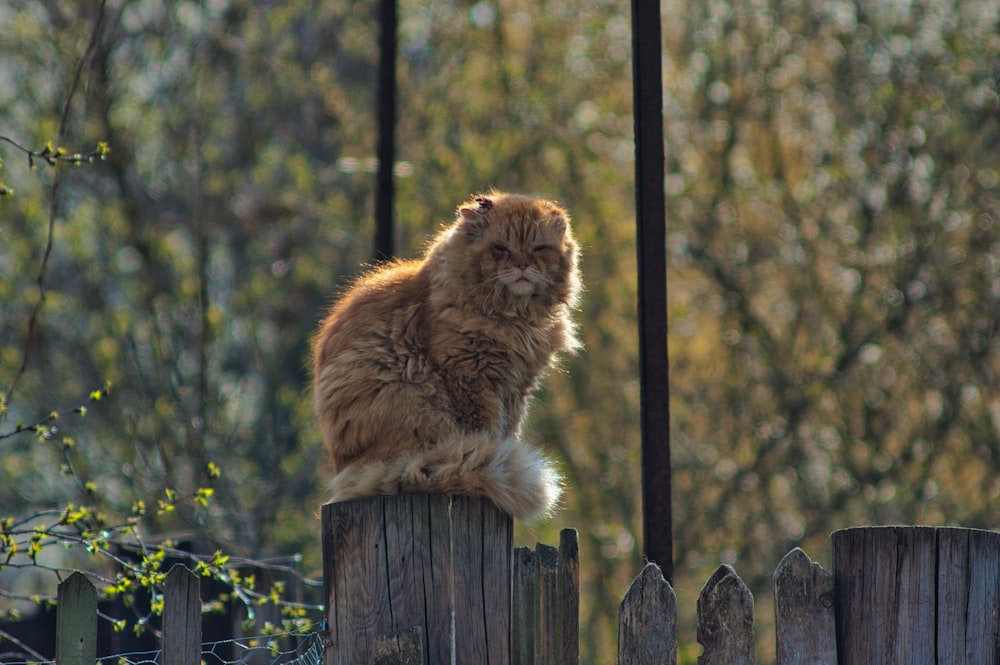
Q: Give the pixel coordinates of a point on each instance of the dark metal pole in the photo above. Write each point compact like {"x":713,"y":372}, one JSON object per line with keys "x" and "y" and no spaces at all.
{"x":651,"y":248}
{"x":386,"y":150}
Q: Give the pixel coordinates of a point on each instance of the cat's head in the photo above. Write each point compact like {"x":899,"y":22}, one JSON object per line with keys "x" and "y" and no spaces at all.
{"x":513,"y":254}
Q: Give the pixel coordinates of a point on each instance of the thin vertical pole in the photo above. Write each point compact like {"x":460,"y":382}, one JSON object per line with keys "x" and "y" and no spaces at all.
{"x":651,"y":249}
{"x":386,"y":149}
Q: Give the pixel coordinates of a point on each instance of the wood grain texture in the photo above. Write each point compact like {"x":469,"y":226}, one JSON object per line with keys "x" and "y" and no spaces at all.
{"x":547,"y":645}
{"x":968,"y":592}
{"x":884,"y":586}
{"x":725,"y":620}
{"x":982,"y":637}
{"x":406,"y":648}
{"x":76,"y":621}
{"x":953,"y":594}
{"x":525,"y":621}
{"x":182,"y":618}
{"x":917,"y":595}
{"x":546,"y":603}
{"x":803,"y":612}
{"x":437,"y":563}
{"x":647,"y":621}
{"x":569,"y":597}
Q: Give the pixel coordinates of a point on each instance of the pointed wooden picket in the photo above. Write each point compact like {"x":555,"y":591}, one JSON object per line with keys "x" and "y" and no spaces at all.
{"x":76,"y":621}
{"x":647,"y":621}
{"x":725,"y":620}
{"x":803,"y":612}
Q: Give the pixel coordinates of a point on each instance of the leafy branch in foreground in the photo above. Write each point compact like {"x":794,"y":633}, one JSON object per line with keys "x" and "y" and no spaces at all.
{"x":140,"y":568}
{"x":118,"y":544}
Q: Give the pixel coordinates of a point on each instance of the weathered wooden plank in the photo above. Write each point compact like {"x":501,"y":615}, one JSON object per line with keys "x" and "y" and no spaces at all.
{"x":885,"y":587}
{"x":525,"y":607}
{"x":848,"y":590}
{"x":438,"y":563}
{"x":406,"y":648}
{"x":982,"y":641}
{"x":76,"y":621}
{"x":917,"y":579}
{"x":547,"y":640}
{"x":408,"y":589}
{"x":953,"y":595}
{"x":358,"y":609}
{"x":968,"y":597}
{"x":803,"y":612}
{"x":440,"y":592}
{"x":498,"y":531}
{"x":569,"y":597}
{"x":725,"y":620}
{"x":481,"y":551}
{"x":182,"y":618}
{"x":647,"y":621}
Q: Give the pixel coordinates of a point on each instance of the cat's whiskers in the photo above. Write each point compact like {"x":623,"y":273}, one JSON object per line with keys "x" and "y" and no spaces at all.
{"x":489,"y":289}
{"x":487,"y":283}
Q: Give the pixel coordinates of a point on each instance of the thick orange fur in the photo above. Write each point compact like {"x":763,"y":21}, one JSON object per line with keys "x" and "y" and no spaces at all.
{"x":423,"y":370}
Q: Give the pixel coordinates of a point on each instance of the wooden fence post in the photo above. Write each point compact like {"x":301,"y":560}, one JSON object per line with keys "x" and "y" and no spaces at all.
{"x":725,"y":620}
{"x":548,"y":603}
{"x":917,"y":595}
{"x":526,"y":604}
{"x":568,"y":590}
{"x":76,"y":621}
{"x":968,"y":596}
{"x":182,"y":618}
{"x":647,"y":621}
{"x":403,"y":569}
{"x":545,"y":624}
{"x":803,"y":612}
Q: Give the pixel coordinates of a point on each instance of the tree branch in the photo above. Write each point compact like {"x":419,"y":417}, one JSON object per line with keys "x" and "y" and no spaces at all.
{"x":52,"y":156}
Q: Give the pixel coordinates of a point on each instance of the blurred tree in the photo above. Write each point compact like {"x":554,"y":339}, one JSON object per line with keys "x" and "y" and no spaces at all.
{"x":833,"y":238}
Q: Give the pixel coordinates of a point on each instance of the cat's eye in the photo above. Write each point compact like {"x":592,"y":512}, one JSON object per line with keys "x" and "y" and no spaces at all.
{"x":543,"y":248}
{"x":500,"y":248}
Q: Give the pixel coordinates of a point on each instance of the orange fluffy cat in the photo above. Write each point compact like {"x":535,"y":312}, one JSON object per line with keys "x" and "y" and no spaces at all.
{"x":423,"y":370}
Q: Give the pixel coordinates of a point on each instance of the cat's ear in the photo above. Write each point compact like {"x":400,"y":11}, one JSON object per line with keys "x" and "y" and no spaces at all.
{"x":477,"y":212}
{"x":559,"y":222}
{"x":474,"y":219}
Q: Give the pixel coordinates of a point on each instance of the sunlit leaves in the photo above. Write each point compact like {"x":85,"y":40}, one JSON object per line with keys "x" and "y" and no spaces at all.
{"x":143,"y":571}
{"x":203,"y":494}
{"x":167,"y":504}
{"x":45,"y":428}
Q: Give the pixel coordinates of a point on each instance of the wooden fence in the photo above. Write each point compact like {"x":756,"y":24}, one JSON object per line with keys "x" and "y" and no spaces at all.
{"x":426,"y":580}
{"x":76,"y":620}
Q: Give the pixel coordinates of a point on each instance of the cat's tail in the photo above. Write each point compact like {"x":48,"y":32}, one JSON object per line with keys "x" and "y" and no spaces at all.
{"x":515,"y":476}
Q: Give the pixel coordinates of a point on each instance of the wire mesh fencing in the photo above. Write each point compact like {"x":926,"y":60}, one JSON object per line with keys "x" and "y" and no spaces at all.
{"x":304,"y":648}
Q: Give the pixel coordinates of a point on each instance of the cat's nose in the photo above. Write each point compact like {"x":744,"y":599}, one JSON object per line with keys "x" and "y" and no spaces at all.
{"x":519,"y":261}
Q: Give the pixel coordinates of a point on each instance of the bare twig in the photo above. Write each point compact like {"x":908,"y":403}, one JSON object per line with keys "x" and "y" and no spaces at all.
{"x":30,"y":335}
{"x":52,"y":155}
